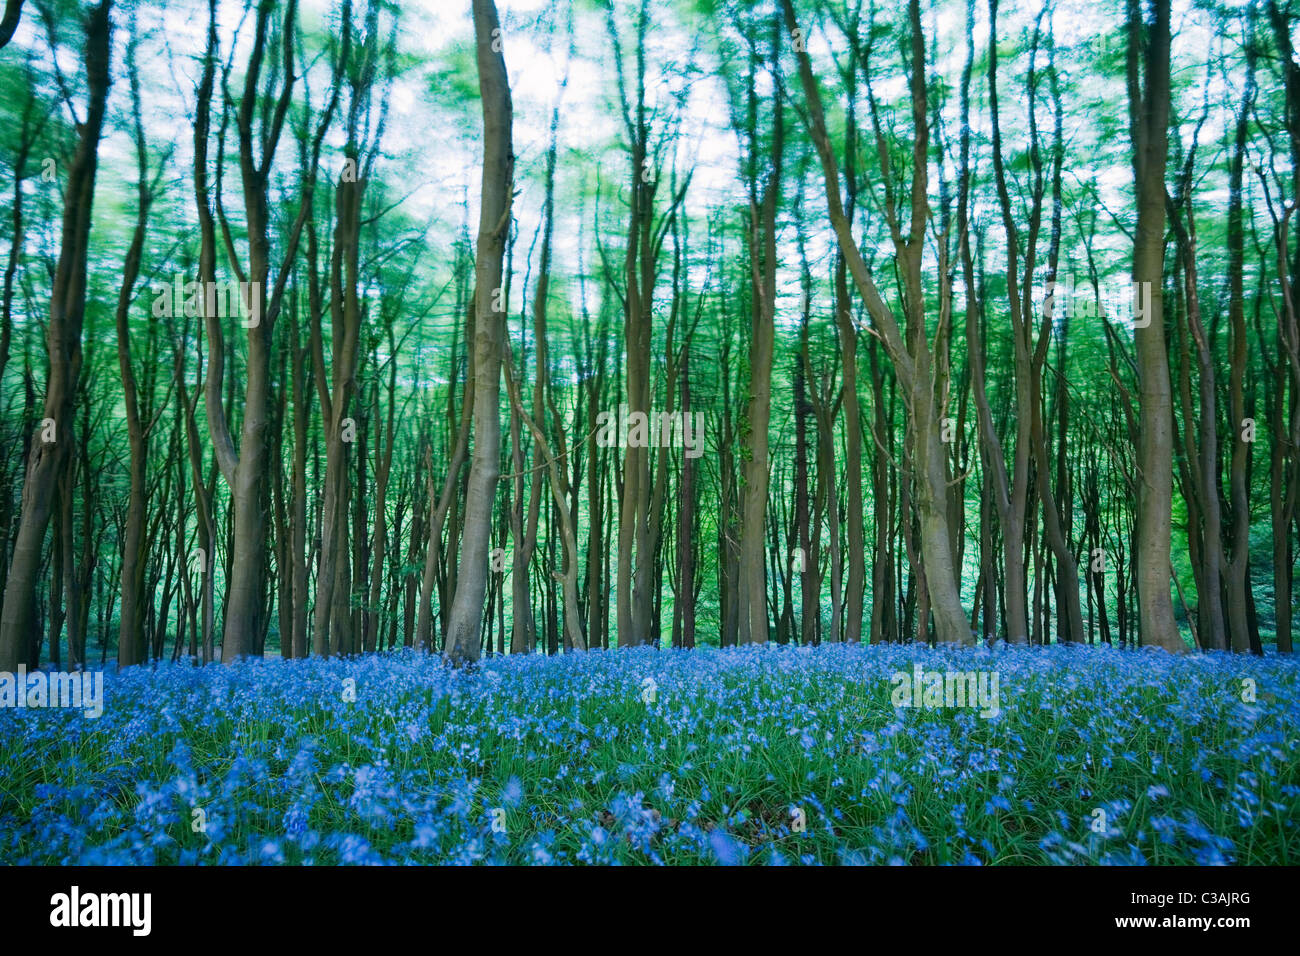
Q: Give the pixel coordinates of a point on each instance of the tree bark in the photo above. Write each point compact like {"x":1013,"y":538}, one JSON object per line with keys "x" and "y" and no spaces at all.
{"x":48,"y":461}
{"x":753,"y":624}
{"x":130,"y":641}
{"x":462,"y":641}
{"x":1150,"y":130}
{"x":912,"y":359}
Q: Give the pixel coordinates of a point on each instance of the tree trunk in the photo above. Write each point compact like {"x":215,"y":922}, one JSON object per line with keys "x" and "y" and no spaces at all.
{"x":1237,"y":579}
{"x":50,"y":459}
{"x":1150,"y":123}
{"x":913,"y":361}
{"x":462,"y":640}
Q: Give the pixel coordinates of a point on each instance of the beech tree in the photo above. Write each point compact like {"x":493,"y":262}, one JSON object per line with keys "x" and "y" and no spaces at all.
{"x":961,"y":377}
{"x":462,"y":641}
{"x":1149,"y":122}
{"x":55,"y":441}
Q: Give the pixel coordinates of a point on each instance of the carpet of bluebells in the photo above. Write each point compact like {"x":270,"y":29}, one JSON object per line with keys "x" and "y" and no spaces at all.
{"x":761,"y":755}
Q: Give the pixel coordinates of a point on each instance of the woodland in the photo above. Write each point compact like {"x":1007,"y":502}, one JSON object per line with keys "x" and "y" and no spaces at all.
{"x":937,"y":322}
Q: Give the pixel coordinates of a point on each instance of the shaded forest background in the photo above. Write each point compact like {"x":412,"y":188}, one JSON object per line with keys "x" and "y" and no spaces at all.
{"x":890,"y":265}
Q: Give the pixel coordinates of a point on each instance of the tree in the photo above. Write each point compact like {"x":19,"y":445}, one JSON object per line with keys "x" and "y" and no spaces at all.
{"x":54,"y":444}
{"x":1149,"y":126}
{"x":462,"y":641}
{"x":913,"y":361}
{"x":130,"y":644}
{"x":763,"y":206}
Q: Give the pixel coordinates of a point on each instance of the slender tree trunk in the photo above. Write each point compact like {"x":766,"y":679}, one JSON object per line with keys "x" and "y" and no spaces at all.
{"x":55,"y":444}
{"x":1240,"y":631}
{"x":1150,"y":128}
{"x":462,"y":641}
{"x":912,"y":358}
{"x":130,"y":643}
{"x":753,"y":580}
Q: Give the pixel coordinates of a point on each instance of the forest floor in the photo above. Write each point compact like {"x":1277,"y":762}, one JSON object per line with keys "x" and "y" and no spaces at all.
{"x":837,"y":754}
